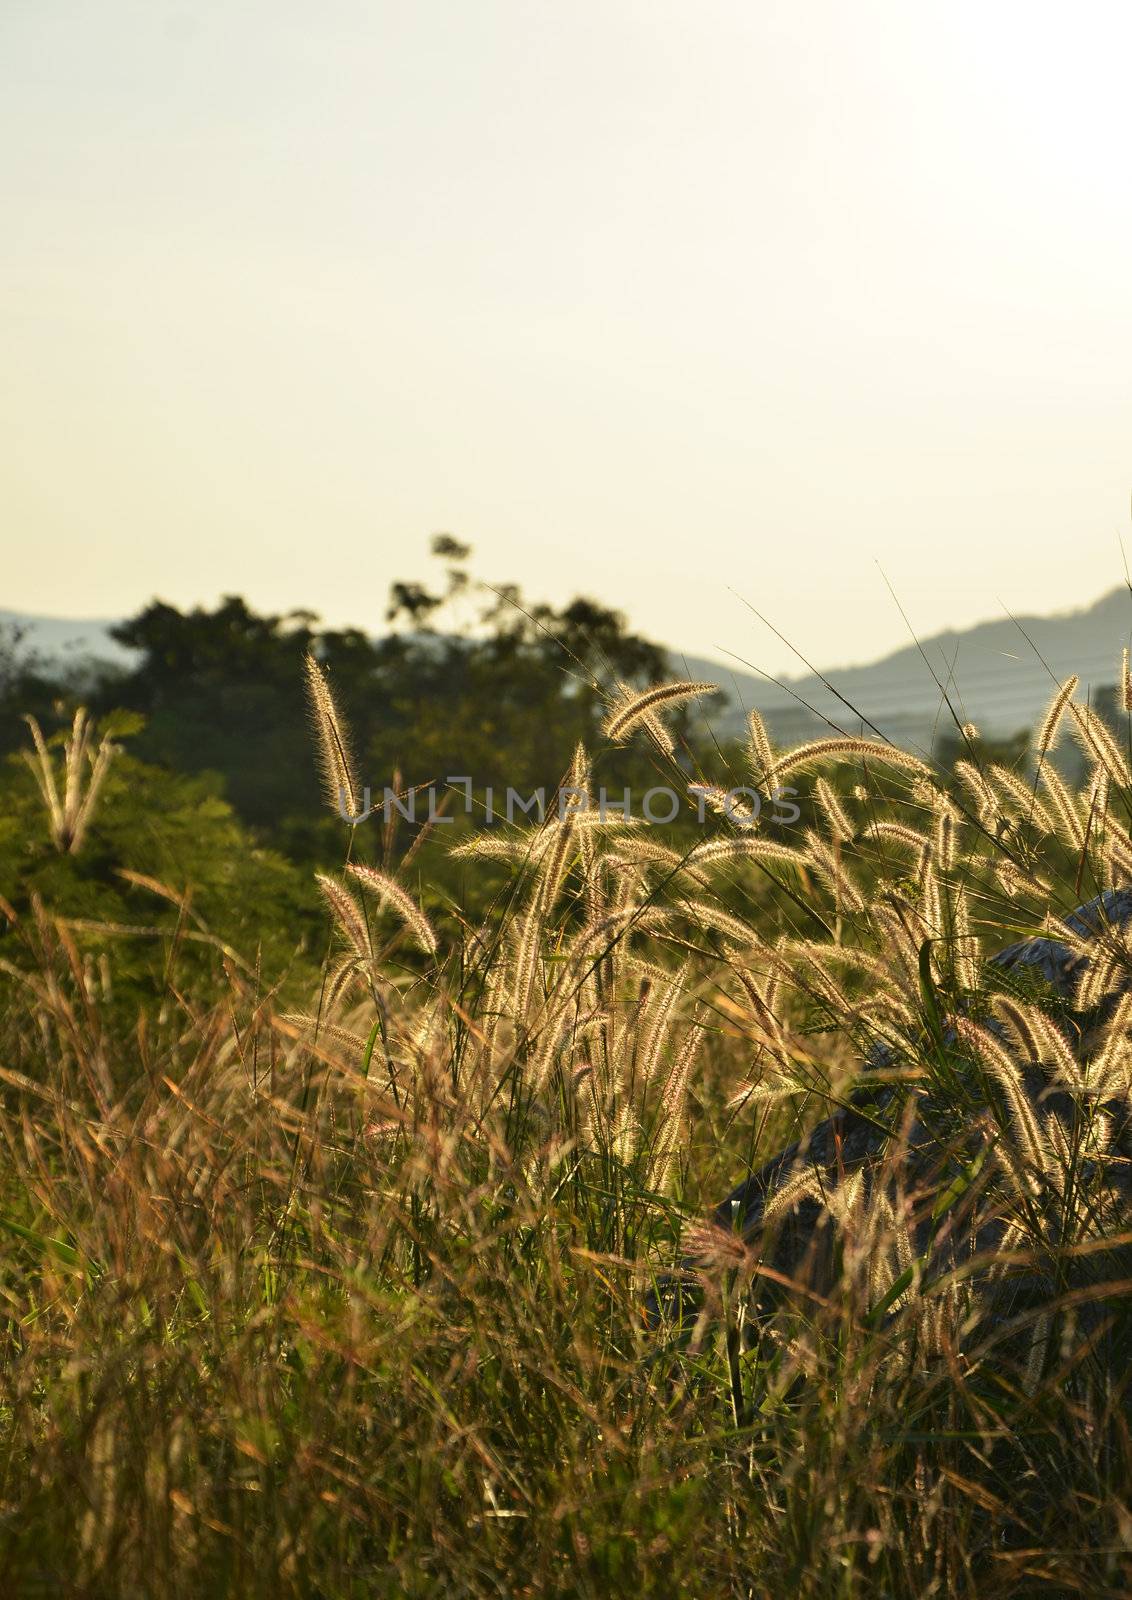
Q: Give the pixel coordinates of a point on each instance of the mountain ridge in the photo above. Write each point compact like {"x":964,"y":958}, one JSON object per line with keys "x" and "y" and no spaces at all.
{"x":999,"y":673}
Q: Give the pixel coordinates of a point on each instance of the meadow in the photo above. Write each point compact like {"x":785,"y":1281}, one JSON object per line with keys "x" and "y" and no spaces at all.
{"x":390,"y":1265}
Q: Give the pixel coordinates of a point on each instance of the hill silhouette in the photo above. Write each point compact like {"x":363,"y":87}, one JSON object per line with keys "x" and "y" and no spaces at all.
{"x":998,"y":674}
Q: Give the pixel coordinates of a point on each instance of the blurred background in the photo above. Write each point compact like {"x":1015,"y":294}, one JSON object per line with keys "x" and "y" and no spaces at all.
{"x":687,"y":309}
{"x":503,"y":353}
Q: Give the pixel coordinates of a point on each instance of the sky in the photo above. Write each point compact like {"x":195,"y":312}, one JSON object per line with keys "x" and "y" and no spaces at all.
{"x":700,"y":309}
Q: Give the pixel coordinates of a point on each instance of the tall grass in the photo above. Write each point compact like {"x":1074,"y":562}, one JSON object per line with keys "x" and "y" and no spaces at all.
{"x":420,"y":1291}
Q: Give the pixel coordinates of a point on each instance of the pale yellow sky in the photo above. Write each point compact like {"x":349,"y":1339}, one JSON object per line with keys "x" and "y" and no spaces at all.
{"x":666,"y":303}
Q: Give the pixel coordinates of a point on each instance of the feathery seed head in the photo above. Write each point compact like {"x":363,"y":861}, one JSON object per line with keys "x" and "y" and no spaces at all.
{"x":859,"y":749}
{"x":630,"y":710}
{"x":1051,"y":722}
{"x":390,"y":893}
{"x":332,"y":741}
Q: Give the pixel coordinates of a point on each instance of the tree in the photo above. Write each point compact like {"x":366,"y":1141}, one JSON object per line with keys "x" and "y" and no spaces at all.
{"x":471,"y":680}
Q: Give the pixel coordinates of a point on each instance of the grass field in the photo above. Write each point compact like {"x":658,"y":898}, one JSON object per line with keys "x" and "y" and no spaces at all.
{"x":369,"y":1291}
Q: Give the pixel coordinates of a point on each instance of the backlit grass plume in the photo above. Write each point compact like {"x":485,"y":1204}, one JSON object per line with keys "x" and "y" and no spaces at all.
{"x":715,"y":1209}
{"x":760,"y":751}
{"x":84,"y":772}
{"x":857,"y":749}
{"x":630,"y":710}
{"x":398,"y":899}
{"x":1051,"y":721}
{"x":331,"y":742}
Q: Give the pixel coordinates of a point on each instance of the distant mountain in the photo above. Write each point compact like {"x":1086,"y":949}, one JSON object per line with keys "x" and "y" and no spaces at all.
{"x":66,"y":639}
{"x":999,"y":675}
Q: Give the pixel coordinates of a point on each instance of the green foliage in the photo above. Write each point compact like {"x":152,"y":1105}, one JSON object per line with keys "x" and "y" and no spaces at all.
{"x":166,"y":856}
{"x":484,"y":684}
{"x":504,"y":695}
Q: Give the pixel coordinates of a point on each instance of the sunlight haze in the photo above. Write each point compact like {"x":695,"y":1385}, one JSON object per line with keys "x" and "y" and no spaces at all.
{"x":679,"y":306}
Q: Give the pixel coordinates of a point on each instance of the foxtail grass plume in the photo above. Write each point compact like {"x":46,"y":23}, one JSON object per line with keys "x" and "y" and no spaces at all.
{"x":630,"y":710}
{"x":977,"y":786}
{"x":828,"y":866}
{"x":899,"y":832}
{"x":1051,"y":721}
{"x":760,"y":751}
{"x":332,"y":740}
{"x":744,"y":849}
{"x":1067,"y":817}
{"x":348,"y":914}
{"x":70,"y":817}
{"x":860,"y":749}
{"x":1094,"y":737}
{"x":1015,"y":789}
{"x":837,"y":821}
{"x":725,"y":804}
{"x":1033,"y":1146}
{"x":391,"y":894}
